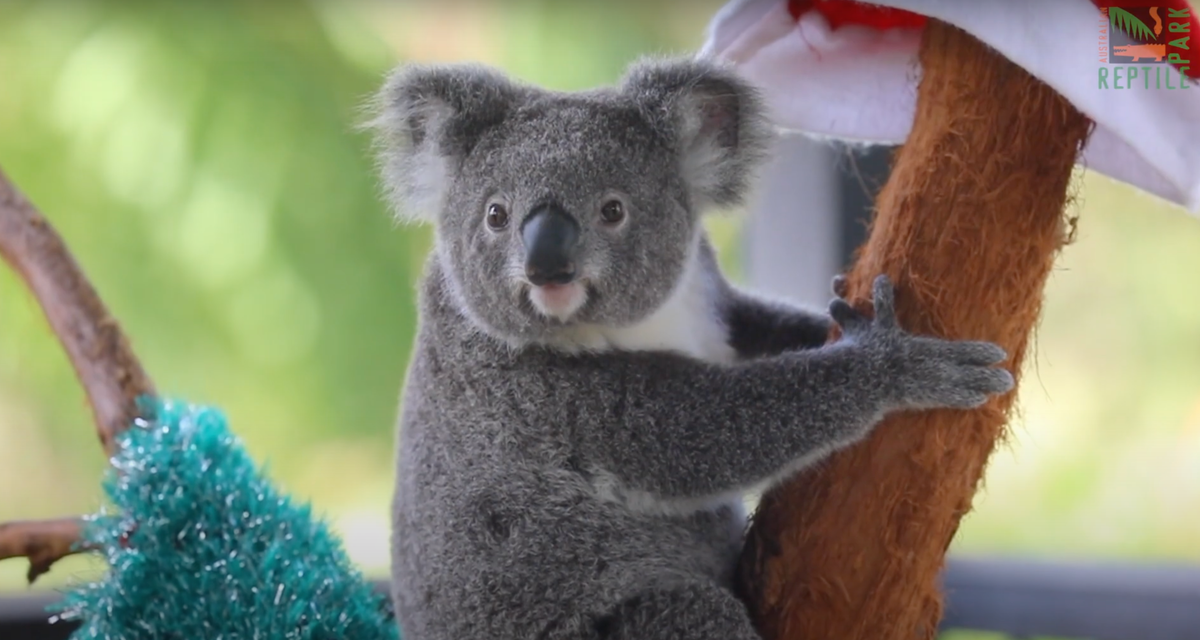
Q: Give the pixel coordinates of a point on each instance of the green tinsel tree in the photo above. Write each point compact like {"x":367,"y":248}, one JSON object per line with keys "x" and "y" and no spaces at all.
{"x":203,"y":545}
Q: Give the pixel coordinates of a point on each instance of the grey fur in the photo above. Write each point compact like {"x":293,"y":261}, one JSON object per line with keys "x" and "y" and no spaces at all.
{"x":580,"y":475}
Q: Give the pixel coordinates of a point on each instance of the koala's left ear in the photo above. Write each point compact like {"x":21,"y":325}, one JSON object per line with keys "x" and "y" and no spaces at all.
{"x":428,"y":118}
{"x":715,"y":120}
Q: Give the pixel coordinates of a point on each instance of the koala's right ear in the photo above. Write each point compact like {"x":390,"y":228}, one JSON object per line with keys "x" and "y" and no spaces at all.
{"x":713,"y":117}
{"x":427,"y":118}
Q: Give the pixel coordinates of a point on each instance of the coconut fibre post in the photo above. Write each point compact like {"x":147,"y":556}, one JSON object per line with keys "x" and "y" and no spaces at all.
{"x":967,"y":226}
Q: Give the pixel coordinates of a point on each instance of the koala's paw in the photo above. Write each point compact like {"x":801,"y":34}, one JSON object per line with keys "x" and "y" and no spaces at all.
{"x":921,"y":372}
{"x":840,"y":285}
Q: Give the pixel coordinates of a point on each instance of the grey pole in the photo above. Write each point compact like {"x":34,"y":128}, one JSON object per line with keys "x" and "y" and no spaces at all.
{"x":792,"y":230}
{"x":809,"y":214}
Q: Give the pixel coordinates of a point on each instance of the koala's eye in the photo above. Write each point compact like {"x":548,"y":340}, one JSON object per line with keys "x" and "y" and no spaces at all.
{"x":497,"y":217}
{"x":612,"y":212}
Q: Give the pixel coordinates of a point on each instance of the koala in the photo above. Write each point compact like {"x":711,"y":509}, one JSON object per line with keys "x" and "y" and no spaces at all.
{"x":589,"y":399}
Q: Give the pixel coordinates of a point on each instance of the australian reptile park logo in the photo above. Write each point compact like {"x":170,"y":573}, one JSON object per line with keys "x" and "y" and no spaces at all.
{"x":1146,"y":47}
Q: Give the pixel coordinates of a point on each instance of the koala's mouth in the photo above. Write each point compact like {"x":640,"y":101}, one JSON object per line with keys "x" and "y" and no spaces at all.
{"x":559,"y":301}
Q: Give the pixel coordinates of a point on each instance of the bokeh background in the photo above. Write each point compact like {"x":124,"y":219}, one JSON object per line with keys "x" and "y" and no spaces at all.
{"x":202,"y":161}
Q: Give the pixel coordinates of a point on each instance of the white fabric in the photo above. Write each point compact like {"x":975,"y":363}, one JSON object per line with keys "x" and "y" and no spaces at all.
{"x":859,"y":84}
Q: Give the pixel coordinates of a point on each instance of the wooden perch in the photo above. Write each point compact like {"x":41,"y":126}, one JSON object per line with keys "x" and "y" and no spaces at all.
{"x":42,"y":542}
{"x":111,"y":375}
{"x":967,"y":227}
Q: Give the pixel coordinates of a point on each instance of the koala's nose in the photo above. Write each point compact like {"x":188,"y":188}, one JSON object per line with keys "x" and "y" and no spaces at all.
{"x":551,"y":238}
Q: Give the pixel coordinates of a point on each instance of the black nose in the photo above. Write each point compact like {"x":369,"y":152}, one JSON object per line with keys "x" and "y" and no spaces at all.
{"x":551,"y":237}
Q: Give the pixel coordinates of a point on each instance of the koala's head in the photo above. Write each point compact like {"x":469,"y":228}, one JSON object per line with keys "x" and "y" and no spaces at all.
{"x":557,"y":208}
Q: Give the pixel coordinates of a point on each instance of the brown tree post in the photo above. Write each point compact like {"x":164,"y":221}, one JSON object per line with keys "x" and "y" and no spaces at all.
{"x":967,"y":227}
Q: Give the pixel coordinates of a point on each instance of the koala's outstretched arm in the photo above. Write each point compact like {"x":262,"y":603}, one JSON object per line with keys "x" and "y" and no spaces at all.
{"x":679,"y":429}
{"x":674,"y":428}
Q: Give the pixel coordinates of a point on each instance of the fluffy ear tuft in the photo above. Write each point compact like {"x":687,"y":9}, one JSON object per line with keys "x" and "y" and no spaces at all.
{"x":714,"y":118}
{"x":426,"y":119}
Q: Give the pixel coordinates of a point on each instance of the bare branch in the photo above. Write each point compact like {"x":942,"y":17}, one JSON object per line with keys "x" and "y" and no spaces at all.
{"x":44,"y":542}
{"x":110,"y":374}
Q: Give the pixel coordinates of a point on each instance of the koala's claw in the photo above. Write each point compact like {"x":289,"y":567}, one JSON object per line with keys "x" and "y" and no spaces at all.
{"x":979,"y":354}
{"x":847,"y":316}
{"x":967,"y":388}
{"x":995,"y":381}
{"x":853,"y":321}
{"x":884,"y":302}
{"x":840,"y":285}
{"x":938,"y":373}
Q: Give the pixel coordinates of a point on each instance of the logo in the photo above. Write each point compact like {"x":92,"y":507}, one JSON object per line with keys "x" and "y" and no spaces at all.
{"x":1145,"y":47}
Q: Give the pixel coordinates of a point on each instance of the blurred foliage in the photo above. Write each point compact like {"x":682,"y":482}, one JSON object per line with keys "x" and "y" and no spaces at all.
{"x":202,"y":161}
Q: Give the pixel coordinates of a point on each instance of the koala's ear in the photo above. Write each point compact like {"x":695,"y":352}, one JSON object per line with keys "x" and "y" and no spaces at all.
{"x":714,"y":119}
{"x":427,"y":118}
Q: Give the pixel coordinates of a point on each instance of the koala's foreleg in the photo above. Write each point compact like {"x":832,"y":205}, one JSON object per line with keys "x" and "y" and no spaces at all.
{"x":675,"y":429}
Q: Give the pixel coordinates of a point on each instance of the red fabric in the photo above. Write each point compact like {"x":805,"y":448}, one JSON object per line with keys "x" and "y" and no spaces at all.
{"x":843,"y":12}
{"x":1171,"y":4}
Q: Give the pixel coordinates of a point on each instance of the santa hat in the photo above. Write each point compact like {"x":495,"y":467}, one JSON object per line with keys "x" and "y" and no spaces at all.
{"x":849,"y":71}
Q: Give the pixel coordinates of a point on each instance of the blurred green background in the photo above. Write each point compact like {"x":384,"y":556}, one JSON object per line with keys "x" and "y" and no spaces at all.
{"x":202,"y":161}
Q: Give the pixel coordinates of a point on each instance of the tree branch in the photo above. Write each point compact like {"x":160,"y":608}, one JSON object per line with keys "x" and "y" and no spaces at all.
{"x":43,"y":542}
{"x":110,"y":373}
